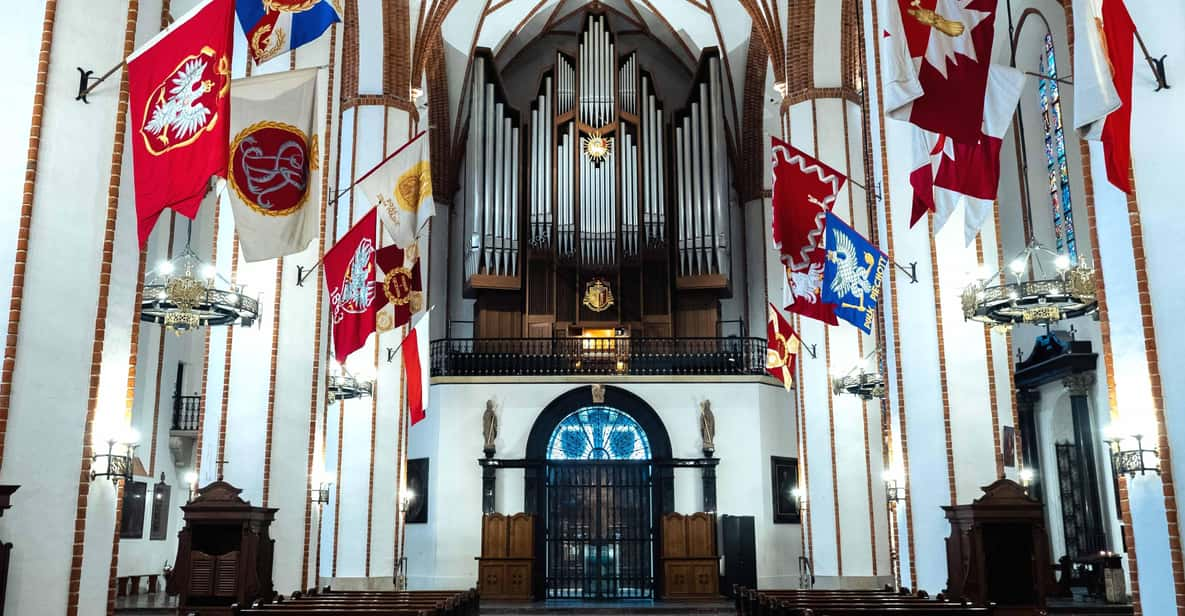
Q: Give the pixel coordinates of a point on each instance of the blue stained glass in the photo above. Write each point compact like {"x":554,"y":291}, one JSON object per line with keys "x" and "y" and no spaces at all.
{"x":1055,"y":155}
{"x":598,"y":433}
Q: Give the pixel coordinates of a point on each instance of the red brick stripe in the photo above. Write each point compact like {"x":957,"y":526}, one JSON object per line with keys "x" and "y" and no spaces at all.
{"x":84,"y":471}
{"x":271,"y":388}
{"x":317,"y":383}
{"x":900,"y":402}
{"x":16,"y":300}
{"x":230,"y":343}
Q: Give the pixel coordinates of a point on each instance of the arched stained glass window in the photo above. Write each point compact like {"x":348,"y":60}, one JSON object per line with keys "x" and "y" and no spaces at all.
{"x":1055,"y":155}
{"x":598,"y":433}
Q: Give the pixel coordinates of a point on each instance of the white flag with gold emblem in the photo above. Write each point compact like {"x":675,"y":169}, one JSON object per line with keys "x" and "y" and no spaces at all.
{"x":273,"y":179}
{"x":401,"y":187}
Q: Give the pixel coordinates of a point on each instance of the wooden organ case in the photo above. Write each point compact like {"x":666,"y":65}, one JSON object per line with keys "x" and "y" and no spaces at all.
{"x":615,"y":216}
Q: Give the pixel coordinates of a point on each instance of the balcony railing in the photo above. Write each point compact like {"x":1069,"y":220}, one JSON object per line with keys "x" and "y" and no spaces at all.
{"x":186,"y":410}
{"x":598,"y":356}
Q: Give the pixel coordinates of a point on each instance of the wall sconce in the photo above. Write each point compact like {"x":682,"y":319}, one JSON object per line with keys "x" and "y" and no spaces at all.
{"x":406,"y":500}
{"x":781,"y":88}
{"x":1128,"y":455}
{"x":319,"y":495}
{"x":894,"y":486}
{"x":863,"y":380}
{"x":121,"y":451}
{"x":191,"y":479}
{"x":1026,"y":476}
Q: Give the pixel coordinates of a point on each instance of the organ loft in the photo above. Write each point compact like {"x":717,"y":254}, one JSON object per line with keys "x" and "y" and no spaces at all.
{"x":602,"y":208}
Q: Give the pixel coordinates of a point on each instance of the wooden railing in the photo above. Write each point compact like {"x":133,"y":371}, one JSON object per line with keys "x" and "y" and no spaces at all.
{"x":598,"y":356}
{"x":186,"y":410}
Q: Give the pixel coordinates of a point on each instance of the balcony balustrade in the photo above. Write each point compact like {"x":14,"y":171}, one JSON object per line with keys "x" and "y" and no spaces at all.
{"x":598,"y":356}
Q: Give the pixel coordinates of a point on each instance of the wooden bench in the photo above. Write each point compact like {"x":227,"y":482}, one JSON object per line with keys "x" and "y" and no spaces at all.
{"x":370,"y":603}
{"x":751,"y":602}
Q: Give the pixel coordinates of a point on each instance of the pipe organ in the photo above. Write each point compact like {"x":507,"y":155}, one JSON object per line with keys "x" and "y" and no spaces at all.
{"x":623,"y":218}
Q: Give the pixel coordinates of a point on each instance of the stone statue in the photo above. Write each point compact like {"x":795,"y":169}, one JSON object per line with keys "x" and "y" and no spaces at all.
{"x":707,"y":427}
{"x":489,"y":428}
{"x":598,"y":394}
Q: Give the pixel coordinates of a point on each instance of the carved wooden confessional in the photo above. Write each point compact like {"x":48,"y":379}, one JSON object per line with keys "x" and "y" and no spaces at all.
{"x":596,"y":209}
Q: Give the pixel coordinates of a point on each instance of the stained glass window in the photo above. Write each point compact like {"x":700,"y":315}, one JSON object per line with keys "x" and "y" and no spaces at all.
{"x":598,"y":433}
{"x":1055,"y":155}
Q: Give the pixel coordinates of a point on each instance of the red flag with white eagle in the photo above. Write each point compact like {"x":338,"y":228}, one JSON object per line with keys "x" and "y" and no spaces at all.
{"x":350,"y":277}
{"x":1103,"y":65}
{"x":782,"y":344}
{"x":949,"y":172}
{"x":416,"y":368}
{"x":804,"y":191}
{"x":179,"y":96}
{"x":937,"y":55}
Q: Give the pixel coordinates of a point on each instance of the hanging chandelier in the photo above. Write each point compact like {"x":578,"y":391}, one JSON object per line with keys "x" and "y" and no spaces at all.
{"x":185,"y":293}
{"x":862,"y":380}
{"x":1045,"y":288}
{"x":346,"y":386}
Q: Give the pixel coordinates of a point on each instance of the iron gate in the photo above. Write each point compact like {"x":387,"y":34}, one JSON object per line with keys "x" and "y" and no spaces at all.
{"x":599,"y":530}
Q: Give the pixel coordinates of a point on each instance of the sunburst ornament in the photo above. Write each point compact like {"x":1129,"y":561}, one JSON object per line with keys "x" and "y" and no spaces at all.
{"x":598,"y":147}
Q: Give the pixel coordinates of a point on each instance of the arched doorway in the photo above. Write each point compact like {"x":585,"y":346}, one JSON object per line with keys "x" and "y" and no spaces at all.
{"x":597,"y":505}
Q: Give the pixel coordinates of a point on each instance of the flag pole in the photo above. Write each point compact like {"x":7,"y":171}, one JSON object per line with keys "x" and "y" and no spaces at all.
{"x":301,"y":274}
{"x":392,"y":351}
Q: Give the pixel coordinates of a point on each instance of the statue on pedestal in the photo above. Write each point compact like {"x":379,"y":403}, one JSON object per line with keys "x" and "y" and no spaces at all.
{"x":707,"y":427}
{"x":489,"y":428}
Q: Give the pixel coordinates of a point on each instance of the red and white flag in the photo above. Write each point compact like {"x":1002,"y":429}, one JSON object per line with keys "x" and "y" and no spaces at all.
{"x":782,"y":344}
{"x":401,"y":287}
{"x":416,"y":365}
{"x":937,"y":54}
{"x":350,"y":275}
{"x":179,"y":95}
{"x":804,"y":191}
{"x":273,"y":163}
{"x":948,"y":171}
{"x":1103,"y":65}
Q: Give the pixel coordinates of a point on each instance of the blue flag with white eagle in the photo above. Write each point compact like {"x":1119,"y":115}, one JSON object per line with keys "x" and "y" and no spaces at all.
{"x":275,"y":27}
{"x":852,"y":274}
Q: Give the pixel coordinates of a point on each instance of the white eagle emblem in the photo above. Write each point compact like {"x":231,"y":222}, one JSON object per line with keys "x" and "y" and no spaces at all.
{"x":851,"y":277}
{"x":357,"y":292}
{"x":805,"y":285}
{"x":182,"y":113}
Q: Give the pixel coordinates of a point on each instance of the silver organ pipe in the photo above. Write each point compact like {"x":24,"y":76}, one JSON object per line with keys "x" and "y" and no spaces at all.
{"x":474,"y":195}
{"x":536,"y":194}
{"x":491,"y":174}
{"x":703,"y":178}
{"x":648,"y":158}
{"x":720,"y":183}
{"x":659,"y":178}
{"x":512,"y":258}
{"x":499,"y":200}
{"x":492,"y":187}
{"x":707,"y":233}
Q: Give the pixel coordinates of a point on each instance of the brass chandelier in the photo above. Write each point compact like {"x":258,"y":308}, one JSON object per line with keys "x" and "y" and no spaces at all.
{"x":345,"y":386}
{"x":864,"y":379}
{"x":185,"y":293}
{"x":1044,"y":288}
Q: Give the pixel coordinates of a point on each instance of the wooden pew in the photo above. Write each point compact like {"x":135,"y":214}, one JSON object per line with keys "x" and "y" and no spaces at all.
{"x":370,"y":603}
{"x":751,"y":602}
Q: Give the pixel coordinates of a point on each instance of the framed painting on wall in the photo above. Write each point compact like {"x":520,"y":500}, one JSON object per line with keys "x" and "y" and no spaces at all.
{"x":417,"y":488}
{"x":784,"y":482}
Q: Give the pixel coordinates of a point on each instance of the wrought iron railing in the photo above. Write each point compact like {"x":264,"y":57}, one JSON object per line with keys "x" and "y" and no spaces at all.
{"x":605,"y":356}
{"x":186,"y":410}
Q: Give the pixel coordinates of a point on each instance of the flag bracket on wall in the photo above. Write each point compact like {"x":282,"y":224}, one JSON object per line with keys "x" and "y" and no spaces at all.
{"x":390,"y":355}
{"x":87,"y":83}
{"x":910,"y":272}
{"x":1157,"y":66}
{"x":811,"y":349}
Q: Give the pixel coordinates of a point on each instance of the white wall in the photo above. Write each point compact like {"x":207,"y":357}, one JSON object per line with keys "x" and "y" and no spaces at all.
{"x":748,"y":412}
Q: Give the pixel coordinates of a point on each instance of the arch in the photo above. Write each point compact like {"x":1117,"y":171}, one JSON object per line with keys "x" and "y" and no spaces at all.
{"x":615,"y":397}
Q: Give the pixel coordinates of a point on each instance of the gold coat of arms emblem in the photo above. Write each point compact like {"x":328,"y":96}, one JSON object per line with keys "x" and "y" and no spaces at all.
{"x":598,"y":297}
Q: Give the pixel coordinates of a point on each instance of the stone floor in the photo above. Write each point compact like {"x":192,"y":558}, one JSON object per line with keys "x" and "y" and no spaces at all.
{"x":160,"y":604}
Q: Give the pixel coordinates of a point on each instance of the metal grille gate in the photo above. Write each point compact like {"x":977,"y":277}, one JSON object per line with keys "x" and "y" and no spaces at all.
{"x":599,"y":530}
